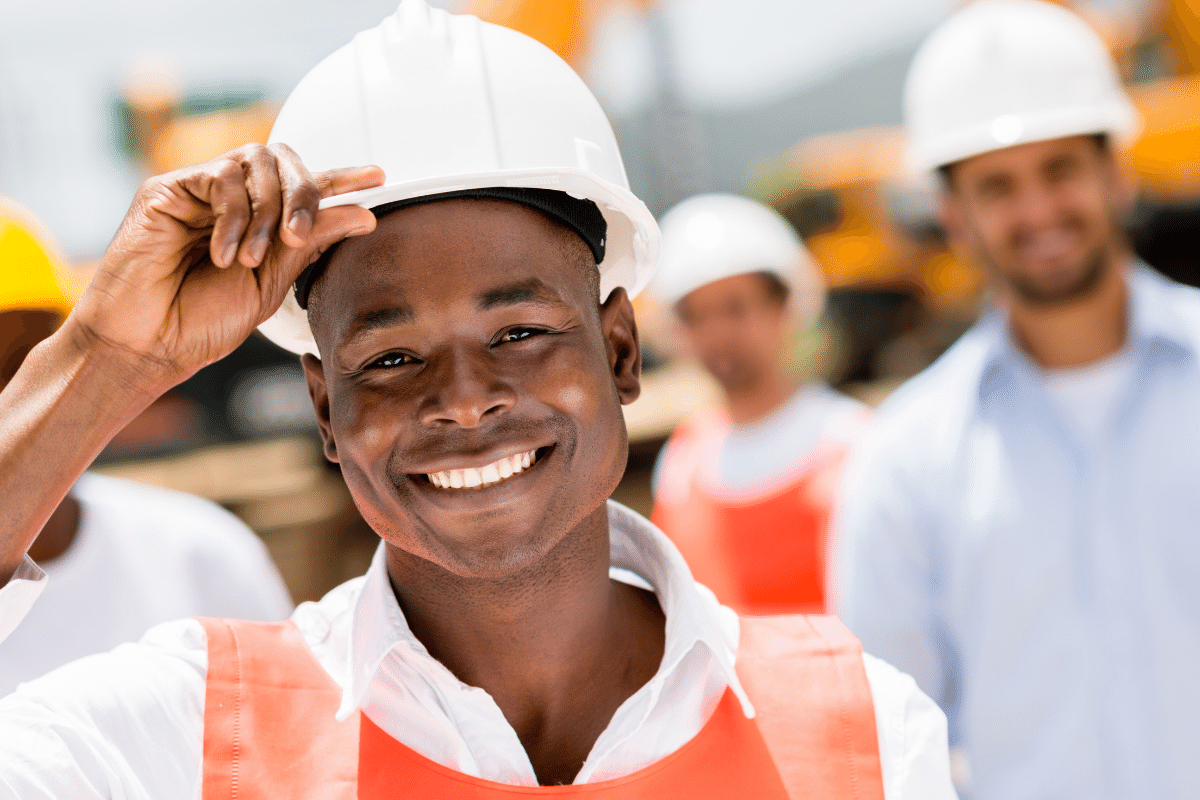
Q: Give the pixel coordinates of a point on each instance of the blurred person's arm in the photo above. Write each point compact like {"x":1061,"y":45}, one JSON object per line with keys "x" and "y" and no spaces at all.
{"x":199,"y":261}
{"x":887,"y":575}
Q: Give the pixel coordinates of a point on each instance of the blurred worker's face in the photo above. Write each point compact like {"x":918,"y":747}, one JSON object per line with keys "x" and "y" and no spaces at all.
{"x":457,"y":337}
{"x":737,"y":327}
{"x":1044,"y":217}
{"x":20,"y":332}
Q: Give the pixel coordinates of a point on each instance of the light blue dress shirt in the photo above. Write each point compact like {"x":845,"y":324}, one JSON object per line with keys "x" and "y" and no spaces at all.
{"x":1043,"y":589}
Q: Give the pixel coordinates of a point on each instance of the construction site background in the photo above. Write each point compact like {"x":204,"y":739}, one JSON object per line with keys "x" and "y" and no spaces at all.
{"x":142,"y":89}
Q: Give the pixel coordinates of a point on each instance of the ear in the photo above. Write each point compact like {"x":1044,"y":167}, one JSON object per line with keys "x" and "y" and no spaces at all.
{"x":1125,"y":185}
{"x":314,"y":376}
{"x":624,"y":350}
{"x":950,"y":215}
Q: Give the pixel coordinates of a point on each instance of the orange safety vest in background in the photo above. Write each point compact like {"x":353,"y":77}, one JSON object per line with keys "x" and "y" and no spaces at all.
{"x":762,"y":550}
{"x":270,"y":731}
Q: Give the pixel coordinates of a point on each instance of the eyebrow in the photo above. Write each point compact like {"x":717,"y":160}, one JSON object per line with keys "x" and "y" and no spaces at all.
{"x":532,"y":290}
{"x":380,"y":318}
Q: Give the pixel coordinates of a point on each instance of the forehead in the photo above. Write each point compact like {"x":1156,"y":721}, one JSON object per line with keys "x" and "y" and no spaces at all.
{"x":1026,"y":157}
{"x":451,"y":253}
{"x":747,"y":284}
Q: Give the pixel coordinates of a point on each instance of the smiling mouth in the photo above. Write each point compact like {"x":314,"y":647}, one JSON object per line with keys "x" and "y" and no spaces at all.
{"x":498,"y":471}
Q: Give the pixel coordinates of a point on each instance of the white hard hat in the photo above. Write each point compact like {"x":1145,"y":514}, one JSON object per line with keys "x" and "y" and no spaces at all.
{"x":713,"y":236}
{"x":1004,"y":72}
{"x":447,"y":103}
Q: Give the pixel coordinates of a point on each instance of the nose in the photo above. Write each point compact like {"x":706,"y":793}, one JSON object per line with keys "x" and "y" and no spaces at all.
{"x":1037,"y":205}
{"x":466,"y":390}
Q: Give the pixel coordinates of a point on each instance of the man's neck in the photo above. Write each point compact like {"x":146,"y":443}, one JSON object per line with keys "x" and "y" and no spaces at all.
{"x":558,"y":646}
{"x":751,"y":403}
{"x":1077,"y":333}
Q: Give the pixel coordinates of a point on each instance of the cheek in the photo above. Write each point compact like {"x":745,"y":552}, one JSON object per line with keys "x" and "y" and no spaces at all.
{"x":572,"y":399}
{"x":365,"y":426}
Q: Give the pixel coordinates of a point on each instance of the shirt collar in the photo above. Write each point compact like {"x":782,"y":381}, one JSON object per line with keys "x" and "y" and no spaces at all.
{"x":1155,"y":325}
{"x":378,"y":625}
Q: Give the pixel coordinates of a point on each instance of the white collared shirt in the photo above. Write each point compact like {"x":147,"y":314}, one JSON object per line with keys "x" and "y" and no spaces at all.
{"x":129,"y":724}
{"x":1034,"y":567}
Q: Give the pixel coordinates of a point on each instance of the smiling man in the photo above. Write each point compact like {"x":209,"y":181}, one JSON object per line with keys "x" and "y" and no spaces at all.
{"x":468,"y":339}
{"x":1019,"y":531}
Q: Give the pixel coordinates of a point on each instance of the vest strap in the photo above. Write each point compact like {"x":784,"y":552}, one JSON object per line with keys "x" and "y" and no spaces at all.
{"x":813,"y":704}
{"x":269,"y":726}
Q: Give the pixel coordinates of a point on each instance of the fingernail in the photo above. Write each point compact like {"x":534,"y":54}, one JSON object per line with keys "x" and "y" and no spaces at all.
{"x":258,"y":248}
{"x":301,"y":222}
{"x":229,"y":251}
{"x":360,"y":230}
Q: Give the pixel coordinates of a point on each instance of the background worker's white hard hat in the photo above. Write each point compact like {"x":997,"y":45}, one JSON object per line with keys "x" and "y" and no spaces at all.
{"x":1005,"y":72}
{"x":445,"y":102}
{"x":709,"y":237}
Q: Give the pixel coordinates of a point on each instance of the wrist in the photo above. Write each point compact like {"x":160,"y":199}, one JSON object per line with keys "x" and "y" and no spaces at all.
{"x":138,"y":378}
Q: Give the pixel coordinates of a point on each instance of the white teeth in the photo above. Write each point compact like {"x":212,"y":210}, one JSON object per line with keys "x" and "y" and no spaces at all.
{"x":495,"y":472}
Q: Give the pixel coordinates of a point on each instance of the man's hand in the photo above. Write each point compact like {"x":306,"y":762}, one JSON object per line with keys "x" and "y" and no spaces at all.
{"x":207,"y":253}
{"x":204,"y":255}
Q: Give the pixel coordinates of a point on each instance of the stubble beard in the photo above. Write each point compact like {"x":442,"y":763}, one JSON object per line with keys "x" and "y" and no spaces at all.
{"x":1090,"y":274}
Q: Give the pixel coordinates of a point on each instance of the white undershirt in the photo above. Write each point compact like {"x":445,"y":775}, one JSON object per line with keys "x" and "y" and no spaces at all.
{"x":1087,"y":396}
{"x":759,"y":452}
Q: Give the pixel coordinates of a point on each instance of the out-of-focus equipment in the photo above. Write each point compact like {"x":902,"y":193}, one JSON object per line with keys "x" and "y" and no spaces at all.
{"x":169,"y":128}
{"x":713,"y":236}
{"x":1005,"y":72}
{"x":33,"y":277}
{"x":519,"y":117}
{"x":565,"y":26}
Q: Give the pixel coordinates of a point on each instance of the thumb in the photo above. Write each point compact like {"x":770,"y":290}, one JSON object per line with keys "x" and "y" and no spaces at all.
{"x":334,"y":224}
{"x":331,"y":226}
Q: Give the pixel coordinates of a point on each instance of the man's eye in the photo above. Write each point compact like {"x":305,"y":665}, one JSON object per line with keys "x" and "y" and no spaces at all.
{"x":517,"y":334}
{"x":391,"y":360}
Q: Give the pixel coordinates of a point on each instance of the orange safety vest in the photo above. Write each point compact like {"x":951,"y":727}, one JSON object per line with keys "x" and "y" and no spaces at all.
{"x":270,"y":731}
{"x":761,"y":551}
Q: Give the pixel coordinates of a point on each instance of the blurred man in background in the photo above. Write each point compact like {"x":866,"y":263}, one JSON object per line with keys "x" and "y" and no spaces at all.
{"x":746,"y":490}
{"x":1020,"y":528}
{"x":121,"y":556}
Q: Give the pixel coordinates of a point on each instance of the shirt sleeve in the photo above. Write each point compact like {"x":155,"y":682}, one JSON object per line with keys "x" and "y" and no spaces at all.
{"x":127,"y":724}
{"x":886,"y":583}
{"x":19,"y":594}
{"x":913,"y":750}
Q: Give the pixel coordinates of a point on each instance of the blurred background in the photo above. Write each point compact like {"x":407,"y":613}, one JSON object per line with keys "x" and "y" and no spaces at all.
{"x":793,"y":102}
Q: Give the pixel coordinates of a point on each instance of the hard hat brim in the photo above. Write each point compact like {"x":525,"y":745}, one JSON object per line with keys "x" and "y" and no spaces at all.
{"x":1119,"y":119}
{"x":631,"y":249}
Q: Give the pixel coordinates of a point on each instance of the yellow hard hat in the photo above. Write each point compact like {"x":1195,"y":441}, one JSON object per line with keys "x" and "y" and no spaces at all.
{"x":32,"y":275}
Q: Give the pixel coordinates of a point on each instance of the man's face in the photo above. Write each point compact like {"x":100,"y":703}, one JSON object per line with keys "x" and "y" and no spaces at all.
{"x":736,"y":327}
{"x":1044,"y":216}
{"x":470,"y":386}
{"x":20,"y":332}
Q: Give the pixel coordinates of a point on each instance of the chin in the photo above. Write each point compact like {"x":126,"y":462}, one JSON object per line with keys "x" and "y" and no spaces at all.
{"x":1055,"y":285}
{"x":485,"y":544}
